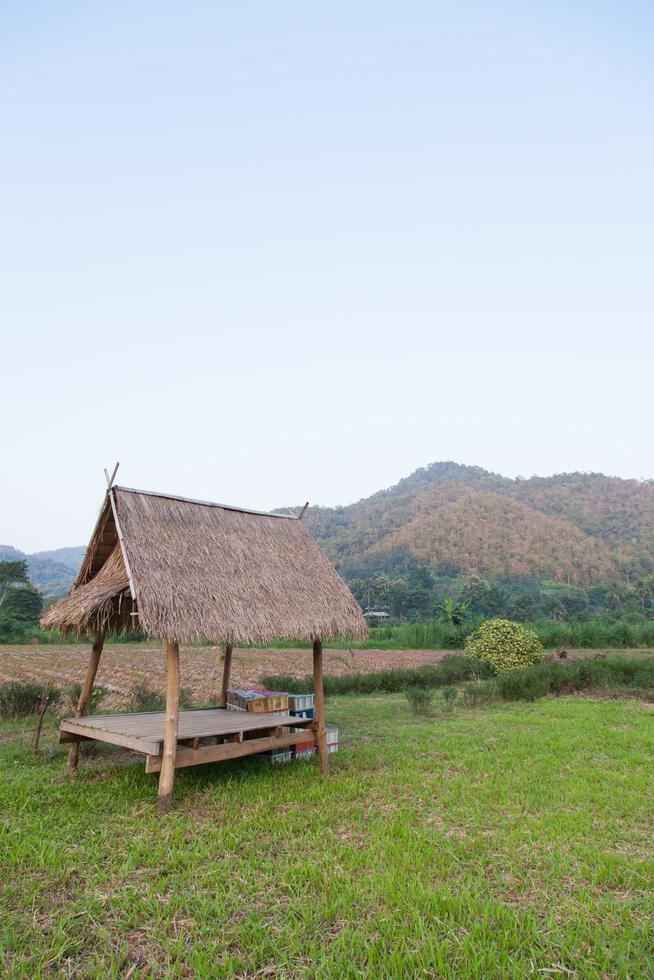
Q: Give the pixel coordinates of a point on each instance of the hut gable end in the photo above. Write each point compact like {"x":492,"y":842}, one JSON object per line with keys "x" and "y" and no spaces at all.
{"x":102,"y":543}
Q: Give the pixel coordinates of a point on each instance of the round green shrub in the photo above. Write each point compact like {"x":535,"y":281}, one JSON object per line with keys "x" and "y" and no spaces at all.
{"x":504,"y":645}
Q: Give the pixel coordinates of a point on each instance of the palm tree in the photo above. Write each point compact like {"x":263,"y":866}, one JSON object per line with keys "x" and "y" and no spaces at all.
{"x":452,"y":612}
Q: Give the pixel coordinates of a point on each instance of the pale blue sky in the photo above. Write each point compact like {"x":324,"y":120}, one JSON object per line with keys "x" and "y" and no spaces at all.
{"x":267,"y":252}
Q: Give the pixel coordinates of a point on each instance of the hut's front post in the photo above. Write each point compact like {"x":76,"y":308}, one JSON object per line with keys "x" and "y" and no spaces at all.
{"x":227,"y":668}
{"x":171,"y":725}
{"x":84,"y":695}
{"x":319,"y":708}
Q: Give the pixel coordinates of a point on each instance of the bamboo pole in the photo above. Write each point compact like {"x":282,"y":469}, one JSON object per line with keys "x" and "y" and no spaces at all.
{"x":171,"y":726}
{"x":227,"y":669}
{"x":44,"y":701}
{"x":319,"y":708}
{"x":84,"y":695}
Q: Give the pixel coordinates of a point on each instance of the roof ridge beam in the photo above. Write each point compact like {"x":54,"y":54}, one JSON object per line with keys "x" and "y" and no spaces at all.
{"x":205,"y":503}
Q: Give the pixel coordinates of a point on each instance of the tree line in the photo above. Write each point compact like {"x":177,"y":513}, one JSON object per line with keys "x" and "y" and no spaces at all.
{"x":410,"y":592}
{"x":418,"y":593}
{"x":20,"y":603}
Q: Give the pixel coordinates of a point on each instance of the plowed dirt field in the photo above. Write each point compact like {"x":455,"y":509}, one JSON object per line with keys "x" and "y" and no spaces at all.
{"x":125,"y":665}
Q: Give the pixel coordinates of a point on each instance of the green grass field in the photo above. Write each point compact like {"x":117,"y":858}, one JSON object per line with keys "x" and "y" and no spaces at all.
{"x":508,"y":841}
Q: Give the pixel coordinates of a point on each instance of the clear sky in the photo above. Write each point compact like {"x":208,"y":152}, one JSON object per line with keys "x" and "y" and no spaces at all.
{"x":265,"y":252}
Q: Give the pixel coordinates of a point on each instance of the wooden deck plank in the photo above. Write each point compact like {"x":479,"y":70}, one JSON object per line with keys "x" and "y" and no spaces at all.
{"x":149,"y":726}
{"x":138,"y":743}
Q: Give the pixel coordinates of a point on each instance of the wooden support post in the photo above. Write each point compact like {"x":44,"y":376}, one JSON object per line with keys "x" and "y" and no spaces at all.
{"x":171,"y":726}
{"x":319,"y":708}
{"x":227,"y":669}
{"x":83,"y":700}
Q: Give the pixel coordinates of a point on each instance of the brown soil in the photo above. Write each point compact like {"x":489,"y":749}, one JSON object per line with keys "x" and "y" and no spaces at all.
{"x":124,"y":665}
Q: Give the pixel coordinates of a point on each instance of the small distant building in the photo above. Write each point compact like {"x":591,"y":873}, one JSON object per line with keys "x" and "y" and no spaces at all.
{"x":377,"y":614}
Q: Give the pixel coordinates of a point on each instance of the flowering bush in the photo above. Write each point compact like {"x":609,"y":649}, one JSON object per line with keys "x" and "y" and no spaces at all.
{"x":504,"y":645}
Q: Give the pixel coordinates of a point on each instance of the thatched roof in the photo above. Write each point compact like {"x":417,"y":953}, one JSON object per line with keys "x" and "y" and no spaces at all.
{"x":188,"y":570}
{"x":102,"y":603}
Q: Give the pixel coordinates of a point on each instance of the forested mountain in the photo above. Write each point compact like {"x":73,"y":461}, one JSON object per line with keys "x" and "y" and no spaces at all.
{"x":580,"y":529}
{"x":451,"y":521}
{"x":52,"y":572}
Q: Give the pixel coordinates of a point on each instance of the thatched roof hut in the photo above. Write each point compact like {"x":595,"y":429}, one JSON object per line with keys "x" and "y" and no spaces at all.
{"x":187,"y":570}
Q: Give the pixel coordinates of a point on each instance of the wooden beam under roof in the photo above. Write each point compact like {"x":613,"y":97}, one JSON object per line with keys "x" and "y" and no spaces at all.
{"x":121,"y":541}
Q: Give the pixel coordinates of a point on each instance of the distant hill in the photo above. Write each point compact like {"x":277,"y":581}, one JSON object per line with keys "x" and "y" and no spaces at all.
{"x":52,"y":572}
{"x":578,"y":528}
{"x":71,"y":558}
{"x":7,"y":553}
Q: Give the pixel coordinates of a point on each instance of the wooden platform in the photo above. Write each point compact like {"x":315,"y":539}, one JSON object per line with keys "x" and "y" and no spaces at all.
{"x":204,"y":735}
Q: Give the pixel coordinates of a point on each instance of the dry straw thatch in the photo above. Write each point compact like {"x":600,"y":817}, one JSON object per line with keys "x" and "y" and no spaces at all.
{"x":103,"y":603}
{"x":202,"y":570}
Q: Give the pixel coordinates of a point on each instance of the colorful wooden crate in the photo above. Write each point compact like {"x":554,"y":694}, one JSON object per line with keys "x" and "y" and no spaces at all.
{"x":310,"y":742}
{"x":256,"y":700}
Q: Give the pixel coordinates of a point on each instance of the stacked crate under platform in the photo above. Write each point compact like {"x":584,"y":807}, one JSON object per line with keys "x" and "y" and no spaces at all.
{"x":300,"y":706}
